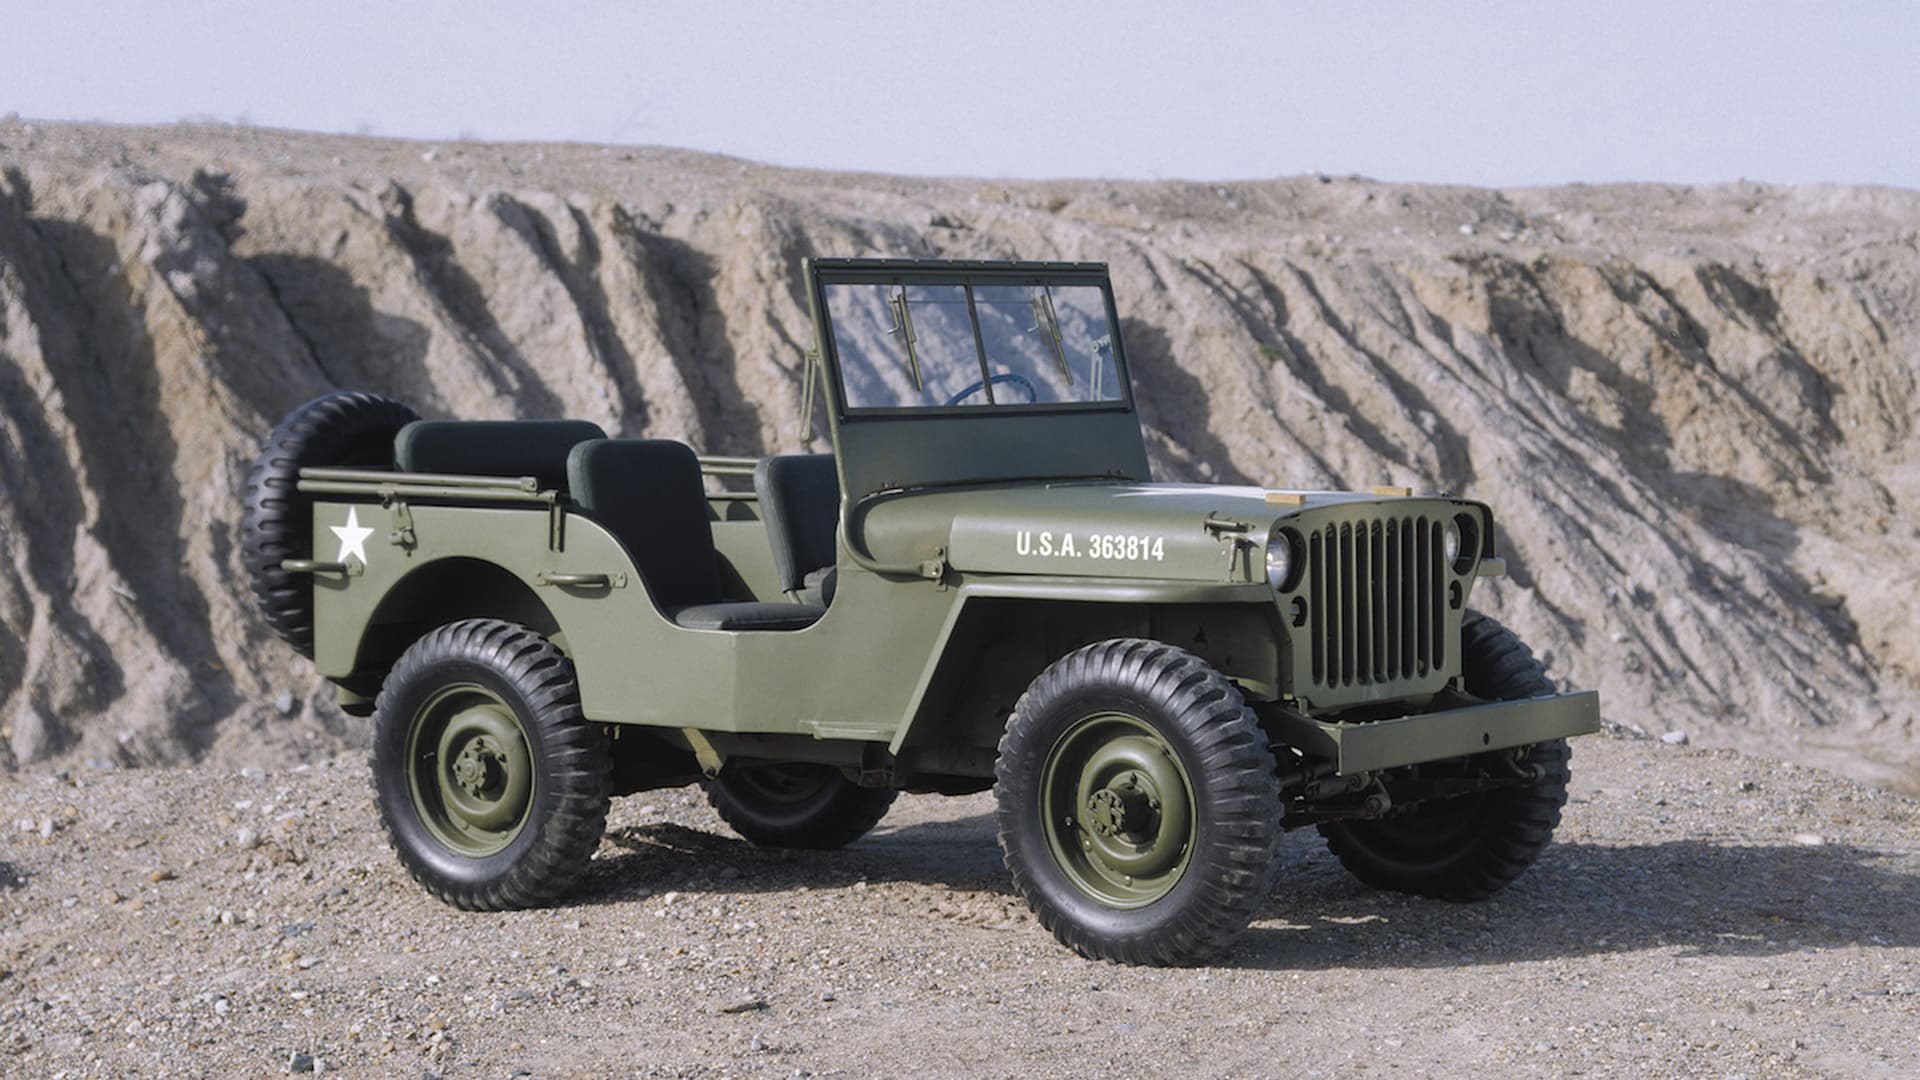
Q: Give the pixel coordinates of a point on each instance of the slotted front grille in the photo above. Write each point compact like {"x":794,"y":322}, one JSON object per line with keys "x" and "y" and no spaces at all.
{"x":1376,"y":598}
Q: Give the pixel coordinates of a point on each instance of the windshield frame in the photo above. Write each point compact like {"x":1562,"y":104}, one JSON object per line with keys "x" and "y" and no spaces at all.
{"x":968,"y":274}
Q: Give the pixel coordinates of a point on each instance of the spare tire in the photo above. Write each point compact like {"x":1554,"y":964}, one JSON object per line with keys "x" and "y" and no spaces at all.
{"x":345,"y":430}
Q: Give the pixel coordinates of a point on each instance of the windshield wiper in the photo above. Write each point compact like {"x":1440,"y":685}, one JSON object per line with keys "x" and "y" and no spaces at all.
{"x":1048,"y":324}
{"x":903,"y":325}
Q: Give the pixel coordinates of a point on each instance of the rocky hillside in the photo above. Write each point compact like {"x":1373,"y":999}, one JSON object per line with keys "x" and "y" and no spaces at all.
{"x":1692,"y":408}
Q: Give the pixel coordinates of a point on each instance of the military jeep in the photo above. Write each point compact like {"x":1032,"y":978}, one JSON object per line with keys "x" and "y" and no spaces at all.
{"x":981,"y":587}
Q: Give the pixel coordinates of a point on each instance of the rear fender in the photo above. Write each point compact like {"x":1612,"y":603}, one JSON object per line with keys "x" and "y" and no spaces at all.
{"x":457,"y":562}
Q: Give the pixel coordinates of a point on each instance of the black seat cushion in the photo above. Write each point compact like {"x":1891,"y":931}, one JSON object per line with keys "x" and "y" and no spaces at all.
{"x":748,"y":615}
{"x":800,"y":499}
{"x":536,"y":448}
{"x":649,"y":495}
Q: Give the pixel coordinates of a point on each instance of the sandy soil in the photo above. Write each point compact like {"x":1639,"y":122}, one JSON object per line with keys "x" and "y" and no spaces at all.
{"x":1702,"y":914}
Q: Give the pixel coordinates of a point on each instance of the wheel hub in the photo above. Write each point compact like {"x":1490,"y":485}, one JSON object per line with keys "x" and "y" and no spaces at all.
{"x":1124,"y":806}
{"x":480,"y":767}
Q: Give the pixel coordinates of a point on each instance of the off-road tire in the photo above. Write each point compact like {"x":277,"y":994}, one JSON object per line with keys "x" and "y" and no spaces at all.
{"x":812,"y":807}
{"x":344,"y":430}
{"x":1471,"y":846}
{"x":513,"y":671}
{"x":1099,"y":716}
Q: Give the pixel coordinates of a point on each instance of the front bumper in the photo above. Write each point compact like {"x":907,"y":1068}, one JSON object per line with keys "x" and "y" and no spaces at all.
{"x":1409,"y":740}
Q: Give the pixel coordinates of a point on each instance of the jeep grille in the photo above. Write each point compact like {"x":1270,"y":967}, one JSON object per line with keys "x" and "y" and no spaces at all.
{"x":1376,"y":598}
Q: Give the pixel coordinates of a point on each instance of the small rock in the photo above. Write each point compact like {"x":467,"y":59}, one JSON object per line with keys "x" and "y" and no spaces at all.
{"x":159,"y":876}
{"x":284,"y":703}
{"x":246,"y":839}
{"x":754,"y":1003}
{"x":299,"y":1062}
{"x":1674,"y":738}
{"x":306,"y":962}
{"x":252,"y":772}
{"x":1466,"y":230}
{"x":1807,"y":839}
{"x":221,"y":1006}
{"x":111,"y":897}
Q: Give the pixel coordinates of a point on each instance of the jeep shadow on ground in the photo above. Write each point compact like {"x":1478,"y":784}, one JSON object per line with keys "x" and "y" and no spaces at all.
{"x":1589,"y":900}
{"x":1580,"y":900}
{"x":960,"y":854}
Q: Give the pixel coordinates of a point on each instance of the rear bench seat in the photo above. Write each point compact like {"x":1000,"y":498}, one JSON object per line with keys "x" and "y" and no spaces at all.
{"x":536,"y":448}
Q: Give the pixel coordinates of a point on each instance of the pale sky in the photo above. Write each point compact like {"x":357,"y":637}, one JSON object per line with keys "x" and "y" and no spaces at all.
{"x":1478,"y":93}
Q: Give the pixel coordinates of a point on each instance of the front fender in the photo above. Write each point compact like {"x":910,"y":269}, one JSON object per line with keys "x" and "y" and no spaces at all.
{"x":1135,"y":601}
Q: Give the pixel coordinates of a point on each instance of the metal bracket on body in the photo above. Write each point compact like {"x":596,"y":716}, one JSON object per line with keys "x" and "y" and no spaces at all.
{"x":1234,"y":533}
{"x":402,"y":534}
{"x":703,"y":752}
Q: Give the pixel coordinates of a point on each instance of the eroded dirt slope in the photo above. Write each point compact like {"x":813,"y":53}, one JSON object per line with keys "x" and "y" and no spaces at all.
{"x":1692,"y":408}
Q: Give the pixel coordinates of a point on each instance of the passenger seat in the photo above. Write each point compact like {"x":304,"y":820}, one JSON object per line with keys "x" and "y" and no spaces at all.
{"x":800,"y":501}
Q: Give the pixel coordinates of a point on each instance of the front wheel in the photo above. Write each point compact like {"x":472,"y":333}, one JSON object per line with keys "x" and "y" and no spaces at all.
{"x":492,"y":786}
{"x":1137,"y":806}
{"x":1469,"y":847}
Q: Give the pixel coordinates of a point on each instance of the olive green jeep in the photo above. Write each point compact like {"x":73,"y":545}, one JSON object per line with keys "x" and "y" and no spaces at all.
{"x":981,"y":587}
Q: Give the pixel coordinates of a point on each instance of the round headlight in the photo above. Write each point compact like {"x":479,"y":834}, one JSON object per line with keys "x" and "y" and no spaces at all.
{"x":1281,"y":560}
{"x":1462,"y":541}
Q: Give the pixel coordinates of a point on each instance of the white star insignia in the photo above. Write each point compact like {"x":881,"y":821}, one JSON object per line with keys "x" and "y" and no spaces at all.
{"x":353,"y":537}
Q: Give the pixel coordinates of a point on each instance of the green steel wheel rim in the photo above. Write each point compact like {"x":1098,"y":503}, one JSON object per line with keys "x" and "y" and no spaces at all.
{"x":471,"y":776}
{"x":1118,"y":809}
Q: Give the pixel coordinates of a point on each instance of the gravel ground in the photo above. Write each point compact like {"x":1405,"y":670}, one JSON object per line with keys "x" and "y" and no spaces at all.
{"x":1703,"y":914}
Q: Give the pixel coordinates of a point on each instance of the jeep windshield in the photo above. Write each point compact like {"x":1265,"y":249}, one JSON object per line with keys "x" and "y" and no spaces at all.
{"x":963,"y":344}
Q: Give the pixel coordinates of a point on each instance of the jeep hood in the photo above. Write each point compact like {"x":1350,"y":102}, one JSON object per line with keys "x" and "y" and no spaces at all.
{"x":1193,"y":532}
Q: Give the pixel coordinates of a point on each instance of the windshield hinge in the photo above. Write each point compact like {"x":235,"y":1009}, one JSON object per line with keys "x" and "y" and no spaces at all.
{"x":935,"y":569}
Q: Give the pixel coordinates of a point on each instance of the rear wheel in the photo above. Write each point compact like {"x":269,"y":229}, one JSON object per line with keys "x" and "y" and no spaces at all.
{"x":797,"y":805}
{"x":1471,"y":846}
{"x":1137,"y":805}
{"x":491,"y":784}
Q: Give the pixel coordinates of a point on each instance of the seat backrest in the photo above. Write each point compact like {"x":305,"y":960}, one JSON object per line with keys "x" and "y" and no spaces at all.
{"x":649,"y":495}
{"x":536,"y":448}
{"x":800,"y":501}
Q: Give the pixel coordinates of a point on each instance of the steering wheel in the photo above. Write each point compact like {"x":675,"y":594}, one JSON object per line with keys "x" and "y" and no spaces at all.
{"x":1005,"y":377}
